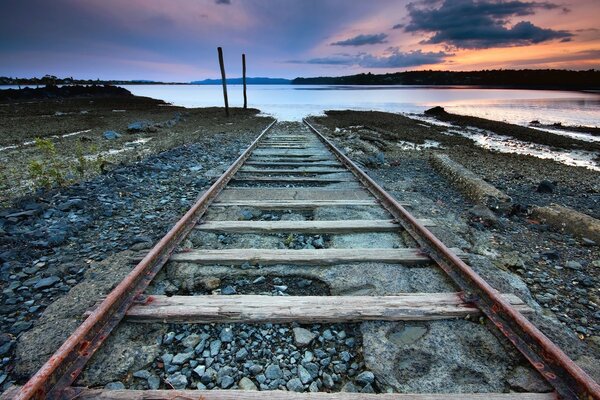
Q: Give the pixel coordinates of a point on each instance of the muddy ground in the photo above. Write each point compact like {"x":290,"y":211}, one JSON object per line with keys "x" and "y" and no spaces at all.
{"x":78,"y":240}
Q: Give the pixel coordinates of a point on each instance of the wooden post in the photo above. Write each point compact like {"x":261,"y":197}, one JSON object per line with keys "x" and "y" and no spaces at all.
{"x":244,"y":80}
{"x":223,"y":79}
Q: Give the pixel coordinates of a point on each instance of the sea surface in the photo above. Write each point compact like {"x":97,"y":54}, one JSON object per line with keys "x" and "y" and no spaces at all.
{"x":293,"y":102}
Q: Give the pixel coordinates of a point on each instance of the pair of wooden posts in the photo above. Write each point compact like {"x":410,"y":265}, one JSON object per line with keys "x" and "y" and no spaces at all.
{"x":224,"y":80}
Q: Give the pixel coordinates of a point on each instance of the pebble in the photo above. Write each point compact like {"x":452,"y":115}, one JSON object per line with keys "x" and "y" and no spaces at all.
{"x":142,"y":374}
{"x":114,"y":386}
{"x":303,"y":337}
{"x":182,"y":358}
{"x":228,"y":290}
{"x":153,"y":382}
{"x":246,"y":384}
{"x":178,"y":380}
{"x":111,"y":135}
{"x":328,"y":381}
{"x":226,"y":335}
{"x":574,"y":265}
{"x":226,"y":382}
{"x":200,"y":370}
{"x":191,"y":340}
{"x":169,"y":337}
{"x":546,"y":186}
{"x":273,"y":371}
{"x":241,"y":354}
{"x":295,"y":385}
{"x":365,"y":377}
{"x":46,"y":282}
{"x":304,"y":375}
{"x":255,"y":369}
{"x":215,"y":347}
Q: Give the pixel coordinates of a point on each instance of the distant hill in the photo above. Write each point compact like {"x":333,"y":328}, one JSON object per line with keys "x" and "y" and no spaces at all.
{"x":529,"y":78}
{"x":249,"y":81}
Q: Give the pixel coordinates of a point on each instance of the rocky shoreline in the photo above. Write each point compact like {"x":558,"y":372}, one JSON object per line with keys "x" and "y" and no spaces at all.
{"x":56,"y":239}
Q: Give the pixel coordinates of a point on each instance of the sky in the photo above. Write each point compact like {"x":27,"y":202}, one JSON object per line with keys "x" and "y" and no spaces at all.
{"x":177,"y":40}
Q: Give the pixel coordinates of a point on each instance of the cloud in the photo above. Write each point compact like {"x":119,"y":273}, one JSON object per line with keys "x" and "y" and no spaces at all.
{"x":472,"y":24}
{"x":362,"y":40}
{"x":392,"y":58}
{"x":398,"y":26}
{"x":223,"y":1}
{"x":397,"y":59}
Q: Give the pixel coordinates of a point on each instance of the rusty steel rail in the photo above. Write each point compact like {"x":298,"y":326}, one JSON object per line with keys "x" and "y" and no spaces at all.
{"x":567,"y":378}
{"x":61,"y":370}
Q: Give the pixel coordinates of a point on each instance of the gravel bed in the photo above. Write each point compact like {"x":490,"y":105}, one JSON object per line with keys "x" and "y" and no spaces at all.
{"x":308,"y":358}
{"x":268,"y":285}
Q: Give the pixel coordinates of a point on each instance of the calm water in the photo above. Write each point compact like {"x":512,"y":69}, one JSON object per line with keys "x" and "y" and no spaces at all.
{"x":292,"y":102}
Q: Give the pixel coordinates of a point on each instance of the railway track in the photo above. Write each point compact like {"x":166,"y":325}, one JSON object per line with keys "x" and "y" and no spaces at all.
{"x":303,"y":174}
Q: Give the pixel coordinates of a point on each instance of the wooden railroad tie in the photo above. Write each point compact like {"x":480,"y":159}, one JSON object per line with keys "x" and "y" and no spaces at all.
{"x":306,"y":309}
{"x":304,"y":257}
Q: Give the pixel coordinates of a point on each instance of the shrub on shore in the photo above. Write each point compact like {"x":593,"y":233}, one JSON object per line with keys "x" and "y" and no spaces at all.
{"x":49,"y":170}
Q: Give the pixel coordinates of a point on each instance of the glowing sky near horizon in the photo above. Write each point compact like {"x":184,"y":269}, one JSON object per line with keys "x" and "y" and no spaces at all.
{"x":176,"y":40}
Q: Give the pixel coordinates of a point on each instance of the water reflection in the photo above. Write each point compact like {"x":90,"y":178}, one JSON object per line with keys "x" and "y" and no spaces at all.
{"x":293,"y":102}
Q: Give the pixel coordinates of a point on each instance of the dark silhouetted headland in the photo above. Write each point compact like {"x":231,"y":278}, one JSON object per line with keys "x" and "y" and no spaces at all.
{"x":530,"y":79}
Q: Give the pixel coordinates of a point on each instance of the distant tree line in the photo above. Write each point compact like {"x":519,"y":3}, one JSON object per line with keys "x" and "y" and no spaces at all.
{"x":49,"y":80}
{"x":526,"y":78}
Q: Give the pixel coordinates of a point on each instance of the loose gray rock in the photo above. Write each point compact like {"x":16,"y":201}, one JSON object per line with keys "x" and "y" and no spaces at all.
{"x":255,"y":369}
{"x":303,"y":337}
{"x":178,"y":380}
{"x":215,"y":347}
{"x":114,"y":386}
{"x":111,"y":135}
{"x":143,"y":374}
{"x":328,"y":380}
{"x":182,"y":358}
{"x":226,"y":382}
{"x":273,"y":371}
{"x":246,"y":384}
{"x":295,"y":385}
{"x":304,"y":375}
{"x":365,"y":378}
{"x":226,"y":335}
{"x":191,"y":340}
{"x":200,"y":370}
{"x":574,"y":265}
{"x":153,"y":382}
{"x":169,"y":337}
{"x":46,"y":282}
{"x":228,"y":290}
{"x":241,"y":354}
